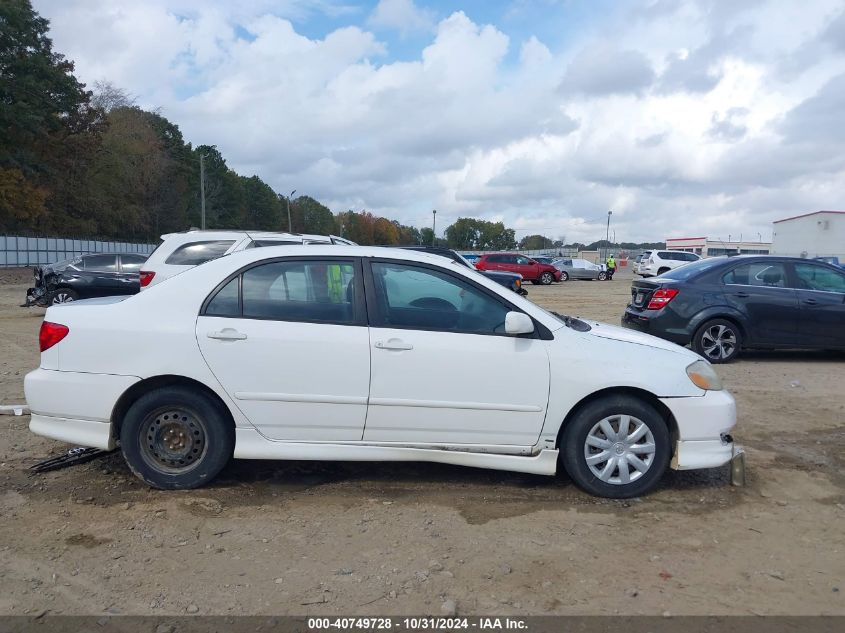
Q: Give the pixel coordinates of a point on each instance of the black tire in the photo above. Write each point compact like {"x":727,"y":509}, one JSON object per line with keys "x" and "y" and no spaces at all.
{"x":535,"y":282}
{"x":175,"y":438}
{"x":663,"y":270}
{"x":564,"y":276}
{"x":573,"y":447}
{"x":728,"y":341}
{"x":547,"y":278}
{"x":602,"y":276}
{"x":62,"y":295}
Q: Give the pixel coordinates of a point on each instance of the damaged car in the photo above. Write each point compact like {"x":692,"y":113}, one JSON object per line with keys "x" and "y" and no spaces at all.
{"x":84,"y":277}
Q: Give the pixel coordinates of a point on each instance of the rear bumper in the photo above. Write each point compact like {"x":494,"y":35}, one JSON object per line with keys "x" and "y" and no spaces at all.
{"x":657,"y":323}
{"x":704,"y":429}
{"x":74,"y":407}
{"x":75,"y":431}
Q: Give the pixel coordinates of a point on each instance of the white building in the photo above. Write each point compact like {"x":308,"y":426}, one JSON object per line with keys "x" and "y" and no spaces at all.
{"x":710,"y":248}
{"x":817,"y":234}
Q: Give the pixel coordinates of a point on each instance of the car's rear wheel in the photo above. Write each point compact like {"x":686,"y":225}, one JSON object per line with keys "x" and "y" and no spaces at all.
{"x":175,"y":437}
{"x":547,"y":278}
{"x":616,"y":447}
{"x":602,"y":276}
{"x":63,"y":295}
{"x":718,"y":340}
{"x":564,"y":276}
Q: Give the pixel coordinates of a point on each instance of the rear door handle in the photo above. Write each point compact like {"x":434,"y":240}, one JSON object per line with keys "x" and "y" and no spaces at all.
{"x":227,"y":334}
{"x":394,"y":344}
{"x":810,"y":302}
{"x":743,"y":295}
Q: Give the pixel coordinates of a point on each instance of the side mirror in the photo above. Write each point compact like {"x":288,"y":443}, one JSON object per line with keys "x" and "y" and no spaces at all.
{"x":518,"y":323}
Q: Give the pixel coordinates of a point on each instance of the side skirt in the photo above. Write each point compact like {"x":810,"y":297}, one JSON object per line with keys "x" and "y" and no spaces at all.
{"x":250,"y":444}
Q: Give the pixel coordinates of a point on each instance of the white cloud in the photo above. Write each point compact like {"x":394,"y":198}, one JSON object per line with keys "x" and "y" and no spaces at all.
{"x":401,"y":15}
{"x":691,"y":116}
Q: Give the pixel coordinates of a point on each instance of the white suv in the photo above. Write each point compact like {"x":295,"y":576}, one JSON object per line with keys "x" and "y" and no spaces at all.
{"x":659,"y":262}
{"x":179,"y":252}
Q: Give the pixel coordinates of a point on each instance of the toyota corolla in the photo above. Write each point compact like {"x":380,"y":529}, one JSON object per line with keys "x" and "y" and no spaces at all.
{"x":355,"y":353}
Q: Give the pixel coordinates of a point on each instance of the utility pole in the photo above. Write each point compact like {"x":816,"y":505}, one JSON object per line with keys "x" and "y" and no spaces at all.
{"x":290,"y":229}
{"x":202,"y":191}
{"x":433,"y":226}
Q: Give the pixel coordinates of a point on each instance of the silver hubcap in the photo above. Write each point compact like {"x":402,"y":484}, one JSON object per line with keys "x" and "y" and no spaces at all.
{"x":619,"y":449}
{"x":718,"y":341}
{"x":62,"y":297}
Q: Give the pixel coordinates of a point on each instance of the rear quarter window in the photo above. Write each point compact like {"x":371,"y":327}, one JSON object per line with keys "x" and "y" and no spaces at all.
{"x":196,"y":253}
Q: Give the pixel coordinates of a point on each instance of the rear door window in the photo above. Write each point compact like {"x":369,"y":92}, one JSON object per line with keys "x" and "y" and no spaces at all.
{"x":101,"y":263}
{"x":196,"y":253}
{"x":131,"y":263}
{"x":764,"y":274}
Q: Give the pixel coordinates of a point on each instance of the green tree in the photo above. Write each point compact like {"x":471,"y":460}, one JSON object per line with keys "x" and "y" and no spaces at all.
{"x":309,"y":216}
{"x":43,"y":109}
{"x":535,"y":242}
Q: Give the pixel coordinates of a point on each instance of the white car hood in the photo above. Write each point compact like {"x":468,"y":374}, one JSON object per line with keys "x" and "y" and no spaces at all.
{"x":624,"y":335}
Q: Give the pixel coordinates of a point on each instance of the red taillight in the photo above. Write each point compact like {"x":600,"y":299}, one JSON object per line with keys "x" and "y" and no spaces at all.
{"x":50,"y":334}
{"x":146,"y":278}
{"x":661,"y":298}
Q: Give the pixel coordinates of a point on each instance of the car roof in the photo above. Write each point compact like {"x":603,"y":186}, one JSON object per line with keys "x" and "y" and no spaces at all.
{"x":236,"y":233}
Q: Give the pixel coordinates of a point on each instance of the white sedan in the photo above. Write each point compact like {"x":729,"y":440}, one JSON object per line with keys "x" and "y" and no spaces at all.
{"x":355,"y":353}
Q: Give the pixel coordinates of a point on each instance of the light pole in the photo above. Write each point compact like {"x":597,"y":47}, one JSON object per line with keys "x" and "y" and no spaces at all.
{"x":433,"y":226}
{"x":290,"y":226}
{"x":202,"y":191}
{"x":607,"y":236}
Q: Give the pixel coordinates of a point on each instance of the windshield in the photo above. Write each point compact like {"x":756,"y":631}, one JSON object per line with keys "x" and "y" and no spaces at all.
{"x":692,"y":269}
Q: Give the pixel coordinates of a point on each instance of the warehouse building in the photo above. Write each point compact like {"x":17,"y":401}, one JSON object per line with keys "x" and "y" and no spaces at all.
{"x":817,"y":234}
{"x":707,"y":247}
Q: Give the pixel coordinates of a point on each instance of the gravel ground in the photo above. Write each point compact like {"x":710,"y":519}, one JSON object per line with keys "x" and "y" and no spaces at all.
{"x":360,"y":538}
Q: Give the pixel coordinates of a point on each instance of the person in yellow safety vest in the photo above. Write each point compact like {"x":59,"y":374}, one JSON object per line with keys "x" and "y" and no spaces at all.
{"x":334,"y":282}
{"x":611,"y":266}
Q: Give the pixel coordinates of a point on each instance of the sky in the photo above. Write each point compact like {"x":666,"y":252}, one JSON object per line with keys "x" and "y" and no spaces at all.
{"x":683,"y":118}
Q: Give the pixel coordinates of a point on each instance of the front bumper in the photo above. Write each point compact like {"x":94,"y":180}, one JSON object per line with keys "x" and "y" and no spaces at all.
{"x":704,"y":426}
{"x":35,"y":297}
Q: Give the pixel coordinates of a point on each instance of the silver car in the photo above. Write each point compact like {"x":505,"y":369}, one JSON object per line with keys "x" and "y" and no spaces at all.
{"x":576,"y":268}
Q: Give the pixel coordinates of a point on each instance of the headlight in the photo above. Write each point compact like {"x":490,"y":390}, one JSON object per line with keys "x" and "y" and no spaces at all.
{"x":703,"y":376}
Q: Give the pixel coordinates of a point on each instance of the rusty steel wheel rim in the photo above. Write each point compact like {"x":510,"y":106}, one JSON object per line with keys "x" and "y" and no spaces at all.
{"x":173,"y":440}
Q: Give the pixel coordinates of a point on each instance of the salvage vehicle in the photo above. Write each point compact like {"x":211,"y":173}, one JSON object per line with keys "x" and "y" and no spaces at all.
{"x":179,"y":252}
{"x":355,"y":353}
{"x":576,"y":268}
{"x":512,"y":281}
{"x":530,"y":270}
{"x":722,"y":305}
{"x":86,"y":276}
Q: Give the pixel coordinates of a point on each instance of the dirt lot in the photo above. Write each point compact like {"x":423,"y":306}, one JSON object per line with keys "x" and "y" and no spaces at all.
{"x":312,"y":538}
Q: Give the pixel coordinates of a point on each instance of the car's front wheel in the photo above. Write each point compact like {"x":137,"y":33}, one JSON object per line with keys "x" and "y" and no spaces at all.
{"x":564,"y":276}
{"x":602,"y":276}
{"x":616,"y":447}
{"x":547,"y":278}
{"x":63,"y":295}
{"x":175,"y":438}
{"x":718,"y":340}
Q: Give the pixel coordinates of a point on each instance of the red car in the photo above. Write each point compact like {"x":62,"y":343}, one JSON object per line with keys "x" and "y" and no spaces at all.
{"x":532,"y":271}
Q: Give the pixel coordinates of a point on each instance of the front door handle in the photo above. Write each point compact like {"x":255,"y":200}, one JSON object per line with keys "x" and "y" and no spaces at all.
{"x":810,"y":302}
{"x":743,"y":295}
{"x":227,"y":334}
{"x":394,"y":344}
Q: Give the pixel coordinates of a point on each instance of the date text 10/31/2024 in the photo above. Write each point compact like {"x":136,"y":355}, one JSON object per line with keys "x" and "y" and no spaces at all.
{"x":418,"y":624}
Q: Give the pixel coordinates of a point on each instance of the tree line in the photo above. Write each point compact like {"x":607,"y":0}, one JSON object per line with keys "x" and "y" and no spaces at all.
{"x":91,"y":163}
